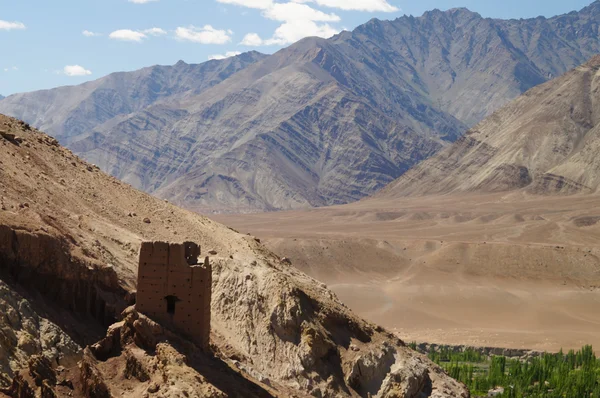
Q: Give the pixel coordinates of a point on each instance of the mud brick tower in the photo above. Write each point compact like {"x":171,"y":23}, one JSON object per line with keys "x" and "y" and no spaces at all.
{"x":174,"y":290}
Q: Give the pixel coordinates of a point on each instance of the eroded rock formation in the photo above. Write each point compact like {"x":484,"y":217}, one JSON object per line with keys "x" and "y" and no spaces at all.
{"x":71,"y":240}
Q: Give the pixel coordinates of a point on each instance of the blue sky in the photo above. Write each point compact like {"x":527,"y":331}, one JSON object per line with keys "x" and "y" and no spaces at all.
{"x":46,"y":44}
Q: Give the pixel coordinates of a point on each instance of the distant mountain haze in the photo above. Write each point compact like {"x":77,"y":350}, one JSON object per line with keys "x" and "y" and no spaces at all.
{"x":321,"y":122}
{"x":70,"y":111}
{"x":546,"y":142}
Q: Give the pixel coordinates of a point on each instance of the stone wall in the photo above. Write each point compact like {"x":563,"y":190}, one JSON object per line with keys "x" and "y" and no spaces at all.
{"x":174,"y":289}
{"x":42,"y":262}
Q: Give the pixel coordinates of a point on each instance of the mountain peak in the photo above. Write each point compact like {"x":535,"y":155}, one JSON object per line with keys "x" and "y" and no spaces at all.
{"x":452,"y":13}
{"x":462,"y":10}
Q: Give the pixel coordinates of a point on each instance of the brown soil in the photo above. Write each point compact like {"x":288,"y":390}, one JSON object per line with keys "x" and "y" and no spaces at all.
{"x":506,"y":270}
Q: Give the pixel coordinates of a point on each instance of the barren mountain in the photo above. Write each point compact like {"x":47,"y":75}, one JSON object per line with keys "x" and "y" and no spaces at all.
{"x":493,"y":241}
{"x":323,"y":121}
{"x":69,"y":243}
{"x":546,"y":141}
{"x":470,"y":66}
{"x":291,"y":131}
{"x":73,"y":110}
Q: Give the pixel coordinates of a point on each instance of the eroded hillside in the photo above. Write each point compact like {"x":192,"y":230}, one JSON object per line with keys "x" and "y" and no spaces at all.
{"x":321,"y":122}
{"x":545,"y":141}
{"x":70,"y":237}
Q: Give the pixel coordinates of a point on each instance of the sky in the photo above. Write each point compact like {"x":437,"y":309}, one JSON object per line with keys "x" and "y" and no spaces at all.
{"x":45,"y":44}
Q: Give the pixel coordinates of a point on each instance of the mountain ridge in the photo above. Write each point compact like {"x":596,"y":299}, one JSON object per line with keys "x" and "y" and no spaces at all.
{"x":306,"y":78}
{"x":120,"y":92}
{"x":543,"y":142}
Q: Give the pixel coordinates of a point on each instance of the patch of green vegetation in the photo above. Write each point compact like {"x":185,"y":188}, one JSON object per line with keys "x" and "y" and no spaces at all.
{"x":571,"y":375}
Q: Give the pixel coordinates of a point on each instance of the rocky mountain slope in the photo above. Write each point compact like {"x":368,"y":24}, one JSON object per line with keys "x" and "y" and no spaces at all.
{"x":546,"y":141}
{"x":290,"y":131}
{"x":69,"y":241}
{"x":323,"y":121}
{"x":69,"y":111}
{"x":471,"y":66}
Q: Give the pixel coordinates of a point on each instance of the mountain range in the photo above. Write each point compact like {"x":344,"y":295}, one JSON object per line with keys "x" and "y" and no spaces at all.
{"x":321,"y":122}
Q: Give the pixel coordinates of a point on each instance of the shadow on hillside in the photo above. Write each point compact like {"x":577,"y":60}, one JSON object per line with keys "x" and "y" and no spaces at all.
{"x":222,"y":376}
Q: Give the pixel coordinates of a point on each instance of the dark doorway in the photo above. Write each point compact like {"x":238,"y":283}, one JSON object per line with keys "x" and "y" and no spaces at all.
{"x":171,"y":301}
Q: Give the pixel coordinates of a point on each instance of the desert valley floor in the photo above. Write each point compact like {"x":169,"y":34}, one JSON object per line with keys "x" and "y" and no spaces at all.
{"x":502,"y":270}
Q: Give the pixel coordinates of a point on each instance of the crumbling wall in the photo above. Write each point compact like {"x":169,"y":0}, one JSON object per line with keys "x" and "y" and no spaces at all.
{"x":174,"y":290}
{"x":37,"y":260}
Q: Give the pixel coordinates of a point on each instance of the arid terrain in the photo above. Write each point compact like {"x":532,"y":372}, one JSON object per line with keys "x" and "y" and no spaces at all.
{"x":494,"y":241}
{"x":506,"y":270}
{"x":69,"y":244}
{"x":321,"y":122}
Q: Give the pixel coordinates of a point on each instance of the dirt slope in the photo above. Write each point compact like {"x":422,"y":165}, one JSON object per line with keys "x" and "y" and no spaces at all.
{"x":545,"y":141}
{"x":71,"y":234}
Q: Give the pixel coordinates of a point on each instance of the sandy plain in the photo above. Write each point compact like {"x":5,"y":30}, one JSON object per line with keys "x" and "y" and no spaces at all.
{"x":502,"y":270}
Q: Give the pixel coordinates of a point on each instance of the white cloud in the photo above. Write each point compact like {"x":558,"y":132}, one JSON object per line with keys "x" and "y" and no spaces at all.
{"x":6,"y":25}
{"x":297,"y":12}
{"x":11,"y":69}
{"x":204,"y":35}
{"x":88,"y":33}
{"x":258,"y":4}
{"x":141,"y":1}
{"x":136,"y":35}
{"x":252,"y":39}
{"x":228,"y":54}
{"x":155,"y":32}
{"x":291,"y":32}
{"x":355,"y":5}
{"x":299,"y":21}
{"x":76,"y":70}
{"x":127,"y":35}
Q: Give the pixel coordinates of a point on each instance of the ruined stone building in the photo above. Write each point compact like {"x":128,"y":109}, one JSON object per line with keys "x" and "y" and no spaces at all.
{"x":174,"y":289}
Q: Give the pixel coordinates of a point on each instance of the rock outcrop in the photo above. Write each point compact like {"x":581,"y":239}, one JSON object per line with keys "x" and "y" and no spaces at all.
{"x":26,"y":335}
{"x":42,"y":261}
{"x":274,"y":330}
